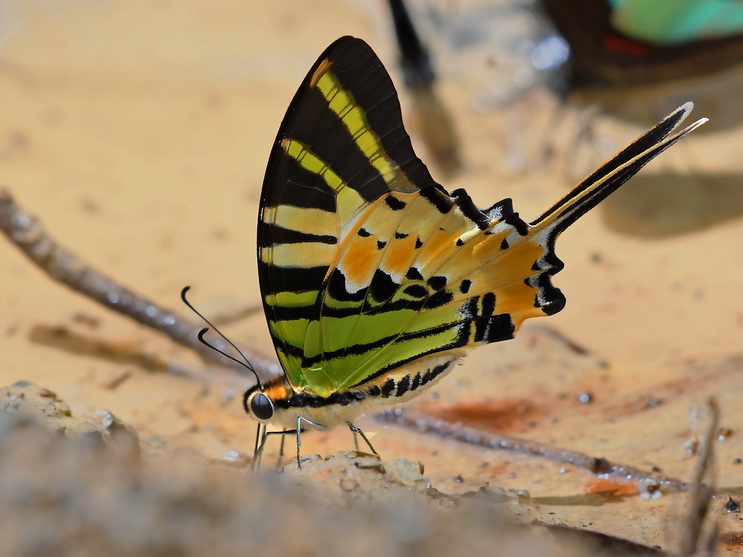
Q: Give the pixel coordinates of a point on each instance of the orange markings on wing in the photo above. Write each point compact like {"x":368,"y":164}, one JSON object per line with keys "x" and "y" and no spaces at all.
{"x":321,"y":69}
{"x":438,"y":248}
{"x":489,"y":247}
{"x":360,"y":259}
{"x":399,"y":254}
{"x":473,"y":255}
{"x":515,"y":264}
{"x":516,"y":298}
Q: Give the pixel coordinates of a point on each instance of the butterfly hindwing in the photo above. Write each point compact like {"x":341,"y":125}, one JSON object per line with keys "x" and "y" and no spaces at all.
{"x":445,"y":279}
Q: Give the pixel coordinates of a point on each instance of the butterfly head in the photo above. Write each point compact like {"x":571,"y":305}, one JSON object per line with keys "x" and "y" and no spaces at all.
{"x":259,"y":400}
{"x":258,"y":405}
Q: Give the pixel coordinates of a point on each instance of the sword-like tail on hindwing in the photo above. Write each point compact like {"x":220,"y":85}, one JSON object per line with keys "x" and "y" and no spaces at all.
{"x":594,"y":189}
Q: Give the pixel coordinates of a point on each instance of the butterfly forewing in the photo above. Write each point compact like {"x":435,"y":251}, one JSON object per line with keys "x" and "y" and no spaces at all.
{"x":330,"y":161}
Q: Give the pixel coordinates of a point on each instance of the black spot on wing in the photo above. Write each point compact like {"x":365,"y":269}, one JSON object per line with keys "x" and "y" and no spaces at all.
{"x":437,"y":282}
{"x":417,"y":291}
{"x":493,"y":328}
{"x":438,"y":299}
{"x":465,"y":285}
{"x":394,"y":203}
{"x":413,"y":274}
{"x":338,"y":290}
{"x":488,"y":304}
{"x":364,"y":233}
{"x":400,"y":236}
{"x":382,"y":286}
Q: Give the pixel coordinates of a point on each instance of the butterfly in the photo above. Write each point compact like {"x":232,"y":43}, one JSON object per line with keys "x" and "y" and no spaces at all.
{"x":374,"y":279}
{"x":630,"y":42}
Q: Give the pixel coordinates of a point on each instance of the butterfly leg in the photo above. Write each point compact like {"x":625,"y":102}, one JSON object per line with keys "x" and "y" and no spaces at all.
{"x":258,"y":455}
{"x":281,"y":451}
{"x":301,"y":419}
{"x":357,"y":430}
{"x":260,"y":442}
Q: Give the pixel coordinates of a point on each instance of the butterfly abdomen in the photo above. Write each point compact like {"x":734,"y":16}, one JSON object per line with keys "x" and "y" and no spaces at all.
{"x":345,"y":406}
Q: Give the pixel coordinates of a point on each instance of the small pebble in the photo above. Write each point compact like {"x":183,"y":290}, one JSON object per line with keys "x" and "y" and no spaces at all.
{"x":731,"y":506}
{"x":585,"y":398}
{"x":650,"y":489}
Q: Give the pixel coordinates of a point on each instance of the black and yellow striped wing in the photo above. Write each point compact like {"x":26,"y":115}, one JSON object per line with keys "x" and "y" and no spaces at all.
{"x":340,"y":148}
{"x":366,"y":264}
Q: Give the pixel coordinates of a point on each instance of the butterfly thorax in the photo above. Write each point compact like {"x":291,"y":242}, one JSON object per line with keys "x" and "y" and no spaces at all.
{"x":345,"y":406}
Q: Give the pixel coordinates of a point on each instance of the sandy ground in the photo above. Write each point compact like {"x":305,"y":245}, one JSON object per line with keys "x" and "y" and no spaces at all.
{"x":138,"y":133}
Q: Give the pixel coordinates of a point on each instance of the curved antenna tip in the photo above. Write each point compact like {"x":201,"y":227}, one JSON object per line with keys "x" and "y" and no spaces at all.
{"x":246,"y":364}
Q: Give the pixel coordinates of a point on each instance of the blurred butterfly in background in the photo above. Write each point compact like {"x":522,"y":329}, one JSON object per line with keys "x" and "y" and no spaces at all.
{"x":375,"y":280}
{"x":630,"y":42}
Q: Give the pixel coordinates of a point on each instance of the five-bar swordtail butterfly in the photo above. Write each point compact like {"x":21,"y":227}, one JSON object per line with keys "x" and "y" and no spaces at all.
{"x":375,"y":280}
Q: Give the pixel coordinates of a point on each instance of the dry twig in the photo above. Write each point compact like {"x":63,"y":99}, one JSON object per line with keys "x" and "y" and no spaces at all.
{"x":490,"y":440}
{"x":28,"y":235}
{"x":701,"y":492}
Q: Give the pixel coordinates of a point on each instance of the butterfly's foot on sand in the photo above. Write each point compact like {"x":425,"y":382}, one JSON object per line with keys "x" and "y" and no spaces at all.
{"x":357,"y":431}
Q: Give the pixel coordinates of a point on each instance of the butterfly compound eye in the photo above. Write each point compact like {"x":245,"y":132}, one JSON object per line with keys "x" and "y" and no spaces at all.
{"x":261,"y":407}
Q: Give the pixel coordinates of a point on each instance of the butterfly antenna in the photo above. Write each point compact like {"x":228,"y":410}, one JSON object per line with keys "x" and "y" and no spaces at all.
{"x":246,"y":364}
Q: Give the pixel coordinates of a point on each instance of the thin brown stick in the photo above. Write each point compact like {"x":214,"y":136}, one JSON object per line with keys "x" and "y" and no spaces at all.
{"x":28,"y":235}
{"x":700,"y":493}
{"x":597,"y":465}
